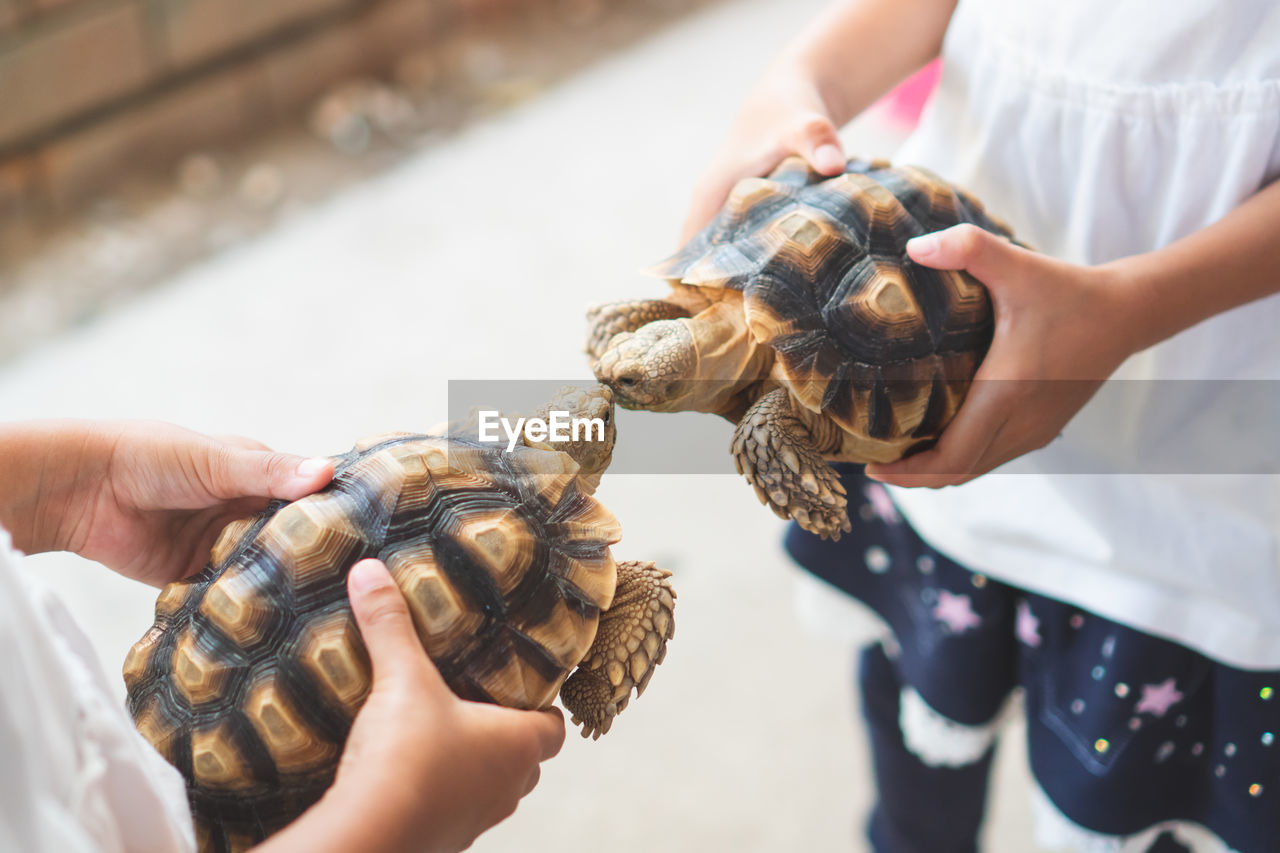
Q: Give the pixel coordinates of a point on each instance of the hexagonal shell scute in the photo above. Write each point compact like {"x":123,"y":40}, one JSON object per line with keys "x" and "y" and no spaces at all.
{"x":334,"y":656}
{"x":198,"y":672}
{"x":138,"y":661}
{"x":566,"y":633}
{"x":543,"y":475}
{"x":236,"y":604}
{"x":229,"y":541}
{"x":157,"y":728}
{"x":518,"y":681}
{"x":583,"y":520}
{"x":172,"y":597}
{"x":445,"y":622}
{"x":594,"y":574}
{"x":313,"y":539}
{"x":499,"y":541}
{"x":216,"y":758}
{"x":294,"y":745}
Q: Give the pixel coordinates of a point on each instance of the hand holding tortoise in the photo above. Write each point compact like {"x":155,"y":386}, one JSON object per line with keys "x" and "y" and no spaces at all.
{"x":146,"y":499}
{"x":422,"y":768}
{"x":1060,"y":330}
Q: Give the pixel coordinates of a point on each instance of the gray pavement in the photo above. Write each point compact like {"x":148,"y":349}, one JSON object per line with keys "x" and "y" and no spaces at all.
{"x":472,"y":260}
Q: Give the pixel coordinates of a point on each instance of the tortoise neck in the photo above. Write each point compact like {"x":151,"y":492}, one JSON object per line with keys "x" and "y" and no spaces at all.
{"x":728,"y":357}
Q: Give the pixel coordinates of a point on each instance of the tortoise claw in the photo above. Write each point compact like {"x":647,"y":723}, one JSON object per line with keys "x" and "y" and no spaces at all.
{"x":771,"y":447}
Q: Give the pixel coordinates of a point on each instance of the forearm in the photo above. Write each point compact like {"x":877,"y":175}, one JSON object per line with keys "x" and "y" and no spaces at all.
{"x":43,"y":467}
{"x":329,"y":826}
{"x":857,"y":50}
{"x":1232,"y":262}
{"x":371,"y":820}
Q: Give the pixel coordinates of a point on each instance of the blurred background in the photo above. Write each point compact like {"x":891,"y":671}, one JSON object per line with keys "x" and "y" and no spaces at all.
{"x":299,"y":220}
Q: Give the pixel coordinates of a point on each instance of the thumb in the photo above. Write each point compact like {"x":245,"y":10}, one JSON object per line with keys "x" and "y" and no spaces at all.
{"x":239,"y":472}
{"x":384,"y":622}
{"x":818,"y":142}
{"x":986,"y":256}
{"x":708,"y":197}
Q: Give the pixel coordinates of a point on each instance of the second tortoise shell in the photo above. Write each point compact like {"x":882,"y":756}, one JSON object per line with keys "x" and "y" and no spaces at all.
{"x":882,"y":345}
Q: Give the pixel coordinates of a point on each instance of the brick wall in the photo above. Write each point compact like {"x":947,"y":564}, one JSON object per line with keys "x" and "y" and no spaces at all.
{"x":92,"y":88}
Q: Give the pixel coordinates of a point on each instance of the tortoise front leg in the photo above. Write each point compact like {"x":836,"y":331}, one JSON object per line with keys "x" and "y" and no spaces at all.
{"x":612,"y":318}
{"x":779,"y":446}
{"x":630,"y":643}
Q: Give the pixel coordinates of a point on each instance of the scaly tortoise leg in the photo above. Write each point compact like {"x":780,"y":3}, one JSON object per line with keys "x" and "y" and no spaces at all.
{"x":779,"y":447}
{"x":613,"y":318}
{"x":630,"y":643}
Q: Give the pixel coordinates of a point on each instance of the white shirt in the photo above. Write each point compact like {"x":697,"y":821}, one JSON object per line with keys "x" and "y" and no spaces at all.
{"x":74,"y":773}
{"x":1098,"y":130}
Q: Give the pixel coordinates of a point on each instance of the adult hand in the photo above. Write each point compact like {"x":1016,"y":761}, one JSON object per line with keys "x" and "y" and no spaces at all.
{"x":1060,"y":331}
{"x":146,"y":499}
{"x":422,"y":769}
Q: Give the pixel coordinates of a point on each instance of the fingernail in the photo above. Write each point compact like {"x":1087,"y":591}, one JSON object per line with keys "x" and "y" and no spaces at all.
{"x":368,"y":575}
{"x":309,"y":468}
{"x":828,"y":158}
{"x":923,"y":247}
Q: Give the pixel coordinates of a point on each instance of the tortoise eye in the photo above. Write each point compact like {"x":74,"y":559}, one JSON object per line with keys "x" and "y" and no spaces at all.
{"x":626,"y":381}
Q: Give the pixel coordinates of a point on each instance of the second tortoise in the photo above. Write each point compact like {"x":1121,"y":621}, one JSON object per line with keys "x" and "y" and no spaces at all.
{"x":797,"y":315}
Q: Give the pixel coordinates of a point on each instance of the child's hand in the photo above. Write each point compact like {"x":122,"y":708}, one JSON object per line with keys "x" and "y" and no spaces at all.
{"x":819,"y":82}
{"x":785,"y":115}
{"x":1060,"y":330}
{"x":423,"y":769}
{"x":146,"y":499}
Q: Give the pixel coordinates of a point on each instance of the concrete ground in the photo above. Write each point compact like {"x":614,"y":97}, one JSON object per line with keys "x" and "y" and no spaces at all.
{"x":474,"y":260}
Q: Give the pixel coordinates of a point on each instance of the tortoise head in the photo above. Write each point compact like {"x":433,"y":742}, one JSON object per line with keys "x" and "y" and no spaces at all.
{"x":695,"y":364}
{"x":651,"y":368}
{"x":586,"y":418}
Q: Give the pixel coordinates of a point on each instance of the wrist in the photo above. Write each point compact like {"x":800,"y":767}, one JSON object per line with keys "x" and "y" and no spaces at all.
{"x":47,"y":470}
{"x":798,"y":77}
{"x":792,"y":83}
{"x":388,"y":813}
{"x":1126,"y":288}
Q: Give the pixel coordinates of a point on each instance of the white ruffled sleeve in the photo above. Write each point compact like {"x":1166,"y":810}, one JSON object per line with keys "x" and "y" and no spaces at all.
{"x":74,"y":774}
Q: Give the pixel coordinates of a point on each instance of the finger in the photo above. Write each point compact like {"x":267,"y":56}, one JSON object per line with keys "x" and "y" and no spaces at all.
{"x":707,"y":200}
{"x":532,"y":782}
{"x":385,"y":625}
{"x":818,"y":142}
{"x":988,"y":257}
{"x":548,"y":726}
{"x":714,"y":188}
{"x":242,"y":442}
{"x":260,"y":473}
{"x":959,"y":453}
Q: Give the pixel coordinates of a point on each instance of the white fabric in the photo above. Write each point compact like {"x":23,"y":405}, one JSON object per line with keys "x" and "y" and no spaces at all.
{"x":74,"y":774}
{"x":1099,"y":130}
{"x":940,"y":741}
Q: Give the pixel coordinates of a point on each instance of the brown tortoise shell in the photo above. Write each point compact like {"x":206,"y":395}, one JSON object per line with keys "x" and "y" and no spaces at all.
{"x":254,"y":669}
{"x":882,"y":345}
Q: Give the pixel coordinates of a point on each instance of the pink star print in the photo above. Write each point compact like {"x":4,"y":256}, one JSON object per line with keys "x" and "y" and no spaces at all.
{"x":1158,"y":698}
{"x":881,"y":503}
{"x":955,"y":612}
{"x":1028,"y":625}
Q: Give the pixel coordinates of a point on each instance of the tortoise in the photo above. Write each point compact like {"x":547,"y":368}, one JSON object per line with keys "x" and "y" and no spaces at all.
{"x":254,"y":669}
{"x":797,"y":315}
